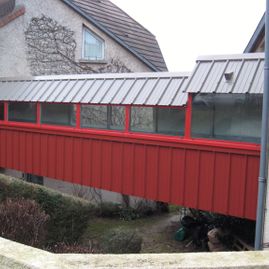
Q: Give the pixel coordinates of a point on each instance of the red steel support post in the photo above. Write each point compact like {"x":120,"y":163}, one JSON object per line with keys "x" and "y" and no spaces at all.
{"x":188,"y":117}
{"x":38,"y":113}
{"x":127,"y":118}
{"x":78,"y":110}
{"x":5,"y":111}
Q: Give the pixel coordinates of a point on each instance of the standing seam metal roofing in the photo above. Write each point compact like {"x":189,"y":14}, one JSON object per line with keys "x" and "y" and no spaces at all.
{"x":121,"y":27}
{"x":246,"y":71}
{"x":163,"y":89}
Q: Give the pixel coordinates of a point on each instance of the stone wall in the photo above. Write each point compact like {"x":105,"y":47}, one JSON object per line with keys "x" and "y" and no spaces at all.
{"x":17,"y":256}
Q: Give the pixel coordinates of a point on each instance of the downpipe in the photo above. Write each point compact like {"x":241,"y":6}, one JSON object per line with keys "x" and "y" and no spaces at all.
{"x":263,"y":172}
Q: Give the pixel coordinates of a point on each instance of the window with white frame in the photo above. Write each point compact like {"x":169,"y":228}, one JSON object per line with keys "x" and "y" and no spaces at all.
{"x":93,"y":46}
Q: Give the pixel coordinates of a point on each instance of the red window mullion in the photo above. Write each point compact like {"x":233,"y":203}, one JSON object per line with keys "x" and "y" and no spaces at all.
{"x":78,"y":115}
{"x":38,"y":113}
{"x":5,"y":111}
{"x":188,"y":116}
{"x":127,"y":118}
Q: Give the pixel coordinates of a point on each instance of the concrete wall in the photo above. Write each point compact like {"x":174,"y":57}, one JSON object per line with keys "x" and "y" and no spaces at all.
{"x":13,"y":47}
{"x":18,"y":256}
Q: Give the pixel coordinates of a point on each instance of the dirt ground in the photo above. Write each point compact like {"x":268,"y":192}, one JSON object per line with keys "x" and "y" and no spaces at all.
{"x":157,"y":232}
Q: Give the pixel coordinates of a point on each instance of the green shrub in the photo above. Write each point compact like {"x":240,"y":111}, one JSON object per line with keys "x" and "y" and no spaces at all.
{"x":24,"y":221}
{"x":68,"y":215}
{"x":108,"y":210}
{"x":121,"y":240}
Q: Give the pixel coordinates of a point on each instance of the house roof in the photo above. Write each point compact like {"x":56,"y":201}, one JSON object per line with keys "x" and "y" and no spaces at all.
{"x":160,"y":88}
{"x":241,"y":73}
{"x":123,"y":29}
{"x":256,"y":37}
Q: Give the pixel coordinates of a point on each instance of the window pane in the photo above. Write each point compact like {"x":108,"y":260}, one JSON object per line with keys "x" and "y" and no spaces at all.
{"x":117,"y":117}
{"x":238,"y":117}
{"x":58,"y":114}
{"x":202,"y":115}
{"x":142,"y":119}
{"x":22,"y":112}
{"x":94,"y":116}
{"x":170,"y":121}
{"x":93,"y":46}
{"x":2,"y":111}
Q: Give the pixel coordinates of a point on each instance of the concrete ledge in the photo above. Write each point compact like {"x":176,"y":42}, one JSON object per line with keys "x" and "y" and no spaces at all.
{"x":18,"y":256}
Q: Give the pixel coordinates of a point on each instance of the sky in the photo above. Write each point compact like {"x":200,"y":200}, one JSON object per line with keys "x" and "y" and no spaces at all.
{"x":186,"y":29}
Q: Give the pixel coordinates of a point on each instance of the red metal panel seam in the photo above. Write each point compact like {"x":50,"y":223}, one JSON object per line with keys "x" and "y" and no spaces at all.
{"x":171,"y":169}
{"x":198,"y":179}
{"x":188,"y":118}
{"x":145,"y":171}
{"x":229,"y":185}
{"x":121,"y":170}
{"x":184,"y":179}
{"x":213,"y":187}
{"x":133,"y":172}
{"x":38,"y":113}
{"x":158,"y":173}
{"x":245,"y":186}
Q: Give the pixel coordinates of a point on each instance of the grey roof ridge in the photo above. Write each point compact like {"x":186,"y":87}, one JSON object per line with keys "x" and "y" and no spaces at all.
{"x":98,"y":76}
{"x":255,"y":36}
{"x":109,"y":33}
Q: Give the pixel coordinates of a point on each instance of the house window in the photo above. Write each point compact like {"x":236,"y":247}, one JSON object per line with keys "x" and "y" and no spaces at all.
{"x":2,"y":117}
{"x":58,"y":114}
{"x":160,"y":120}
{"x":234,"y":117}
{"x":93,"y":46}
{"x":103,"y":117}
{"x":22,"y":112}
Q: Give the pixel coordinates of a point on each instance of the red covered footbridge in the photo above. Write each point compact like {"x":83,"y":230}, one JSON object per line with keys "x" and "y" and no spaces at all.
{"x":187,"y":140}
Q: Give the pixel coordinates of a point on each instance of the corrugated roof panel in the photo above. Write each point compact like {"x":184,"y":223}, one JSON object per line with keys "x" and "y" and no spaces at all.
{"x":134,"y":91}
{"x":123,"y":91}
{"x":102,"y":91}
{"x":8,"y":90}
{"x":76,"y":88}
{"x":55,"y":92}
{"x":78,"y":96}
{"x":180,"y":97}
{"x":37,"y":94}
{"x":38,"y":86}
{"x":112,"y":91}
{"x":64,"y":92}
{"x":20,"y":90}
{"x":92,"y":91}
{"x":198,"y":78}
{"x":159,"y":91}
{"x":45,"y":95}
{"x":148,"y":88}
{"x":5,"y":89}
{"x":242,"y":74}
{"x":242,"y":84}
{"x":212,"y":81}
{"x":257,"y":84}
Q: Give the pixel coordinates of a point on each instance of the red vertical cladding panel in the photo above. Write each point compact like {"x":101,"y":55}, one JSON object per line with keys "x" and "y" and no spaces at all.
{"x":238,"y":182}
{"x":128,"y":169}
{"x":191,"y":178}
{"x":117,"y":167}
{"x":68,"y":159}
{"x":178,"y":176}
{"x":251,"y":187}
{"x":139,"y":170}
{"x":96,"y":163}
{"x":52,"y":156}
{"x":44,"y":155}
{"x":107,"y":165}
{"x":22,"y":149}
{"x":221,"y":183}
{"x":86,"y":162}
{"x":206,"y":178}
{"x":60,"y":151}
{"x":2,"y":148}
{"x":151,"y":179}
{"x":29,"y":153}
{"x":164,"y":174}
{"x":9,"y":146}
{"x":15,"y":154}
{"x":36,"y":154}
{"x":77,"y":161}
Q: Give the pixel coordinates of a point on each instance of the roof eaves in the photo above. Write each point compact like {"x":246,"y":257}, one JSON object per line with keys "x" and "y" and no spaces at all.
{"x":109,"y":33}
{"x":254,"y":39}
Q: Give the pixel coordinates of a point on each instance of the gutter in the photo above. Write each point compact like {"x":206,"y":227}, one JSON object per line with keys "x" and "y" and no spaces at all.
{"x":110,"y":34}
{"x":263,"y":173}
